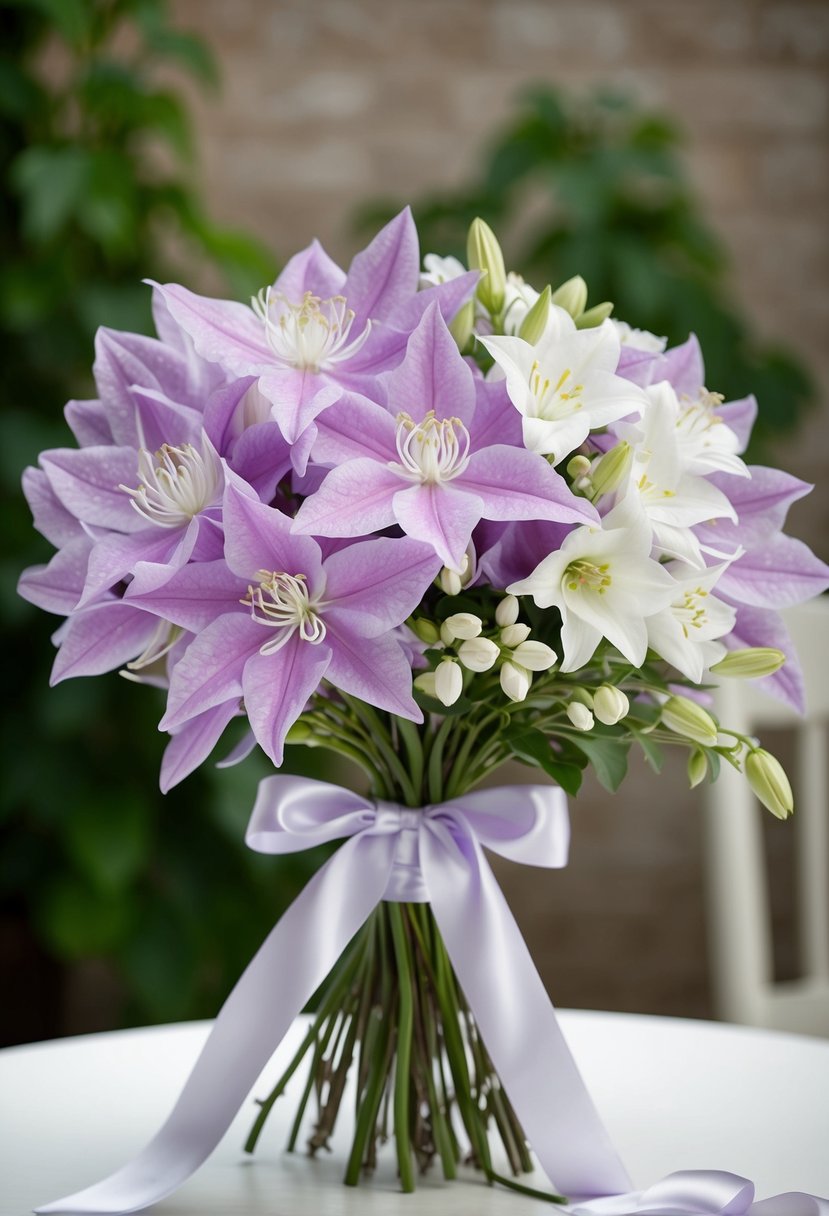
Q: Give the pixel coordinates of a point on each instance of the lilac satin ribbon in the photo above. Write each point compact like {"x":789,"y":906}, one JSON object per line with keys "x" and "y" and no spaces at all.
{"x":433,"y":855}
{"x":702,"y":1193}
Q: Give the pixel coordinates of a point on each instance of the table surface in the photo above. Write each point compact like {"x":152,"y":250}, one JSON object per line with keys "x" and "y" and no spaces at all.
{"x":675,"y":1094}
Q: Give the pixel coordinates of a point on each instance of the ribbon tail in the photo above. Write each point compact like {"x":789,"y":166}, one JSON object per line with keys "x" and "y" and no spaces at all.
{"x":289,"y":967}
{"x":517,"y":1021}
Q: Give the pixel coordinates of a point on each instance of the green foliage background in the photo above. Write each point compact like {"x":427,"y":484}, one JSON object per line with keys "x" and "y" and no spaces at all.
{"x":97,"y":165}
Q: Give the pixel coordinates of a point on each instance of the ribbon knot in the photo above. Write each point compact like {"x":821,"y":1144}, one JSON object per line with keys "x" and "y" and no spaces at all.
{"x":406,"y":883}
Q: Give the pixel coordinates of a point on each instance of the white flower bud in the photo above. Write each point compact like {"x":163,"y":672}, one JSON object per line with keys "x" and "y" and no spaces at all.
{"x":515,"y":681}
{"x":426,"y":683}
{"x":580,"y":716}
{"x":448,"y":681}
{"x":513,"y":635}
{"x":478,"y":654}
{"x":535,"y":656}
{"x":507,"y":611}
{"x":610,"y":704}
{"x":462,"y":625}
{"x":450,"y":581}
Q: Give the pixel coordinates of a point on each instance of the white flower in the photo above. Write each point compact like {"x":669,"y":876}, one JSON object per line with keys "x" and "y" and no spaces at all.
{"x":580,"y":716}
{"x":604,"y":583}
{"x":439,"y":270}
{"x":610,"y":704}
{"x":638,"y":339}
{"x":564,"y":386}
{"x":519,"y":298}
{"x":706,"y":443}
{"x":685,"y":632}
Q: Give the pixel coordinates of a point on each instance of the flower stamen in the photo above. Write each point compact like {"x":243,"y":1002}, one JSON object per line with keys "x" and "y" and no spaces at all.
{"x":281,"y":601}
{"x":584,"y":575}
{"x":313,"y":334}
{"x":177,"y":484}
{"x":432,"y":451}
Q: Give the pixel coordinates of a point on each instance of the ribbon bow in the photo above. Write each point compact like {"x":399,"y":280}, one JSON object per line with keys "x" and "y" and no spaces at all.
{"x":703,"y":1193}
{"x":432,"y":855}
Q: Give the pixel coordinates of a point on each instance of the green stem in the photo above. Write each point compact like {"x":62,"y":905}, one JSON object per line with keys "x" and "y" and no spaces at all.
{"x":404,"y":1048}
{"x":414,"y":751}
{"x":436,"y":761}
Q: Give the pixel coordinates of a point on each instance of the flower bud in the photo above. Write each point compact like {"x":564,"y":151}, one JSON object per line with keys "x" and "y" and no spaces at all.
{"x":535,"y":322}
{"x":300,"y":732}
{"x":514,"y":635}
{"x":572,"y":296}
{"x":578,"y":467}
{"x":484,"y":254}
{"x":768,"y":780}
{"x":515,"y":681}
{"x":462,"y":324}
{"x":611,"y":469}
{"x":594,"y":316}
{"x":461,"y":625}
{"x":507,"y":611}
{"x":610,"y":704}
{"x":426,"y":683}
{"x":450,"y":581}
{"x":448,"y":681}
{"x":535,"y":656}
{"x":427,"y":631}
{"x":478,"y":654}
{"x":583,"y":696}
{"x":580,"y":716}
{"x":685,"y":717}
{"x":751,"y":663}
{"x":697,"y":767}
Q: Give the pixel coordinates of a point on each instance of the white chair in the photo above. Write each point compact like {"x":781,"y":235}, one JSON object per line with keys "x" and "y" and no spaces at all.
{"x":739,"y":919}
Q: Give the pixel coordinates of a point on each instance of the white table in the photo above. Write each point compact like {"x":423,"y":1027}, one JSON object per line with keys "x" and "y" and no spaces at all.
{"x":675,"y":1094}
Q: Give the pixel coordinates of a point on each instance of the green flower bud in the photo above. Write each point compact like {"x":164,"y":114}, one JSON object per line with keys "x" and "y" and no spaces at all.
{"x":611,"y":469}
{"x":583,"y":696}
{"x":594,"y":316}
{"x":425,"y":682}
{"x":535,"y":322}
{"x":751,"y":663}
{"x":697,"y":767}
{"x":427,"y":631}
{"x":685,"y":717}
{"x":578,"y":467}
{"x":610,"y":704}
{"x":572,"y":296}
{"x":768,"y":780}
{"x":462,"y":324}
{"x":300,"y":732}
{"x":484,"y":254}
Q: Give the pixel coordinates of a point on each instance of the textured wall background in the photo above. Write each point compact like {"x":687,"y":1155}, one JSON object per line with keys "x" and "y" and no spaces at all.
{"x":327,"y":103}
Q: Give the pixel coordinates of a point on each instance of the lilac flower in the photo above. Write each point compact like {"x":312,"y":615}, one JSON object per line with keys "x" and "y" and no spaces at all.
{"x":440,"y":466}
{"x":318,"y":330}
{"x":274,"y":618}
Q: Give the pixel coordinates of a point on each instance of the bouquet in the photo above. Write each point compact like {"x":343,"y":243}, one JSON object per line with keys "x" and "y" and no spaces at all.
{"x":432,"y":520}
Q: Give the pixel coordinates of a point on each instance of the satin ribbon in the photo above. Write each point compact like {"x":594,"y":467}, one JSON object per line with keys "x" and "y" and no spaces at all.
{"x":432,"y":855}
{"x":702,"y":1193}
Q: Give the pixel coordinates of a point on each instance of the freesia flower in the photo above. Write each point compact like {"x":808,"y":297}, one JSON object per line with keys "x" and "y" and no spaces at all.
{"x":437,"y":468}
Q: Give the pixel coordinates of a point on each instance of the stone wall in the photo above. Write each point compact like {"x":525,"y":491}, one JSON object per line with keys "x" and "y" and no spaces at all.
{"x":327,"y":103}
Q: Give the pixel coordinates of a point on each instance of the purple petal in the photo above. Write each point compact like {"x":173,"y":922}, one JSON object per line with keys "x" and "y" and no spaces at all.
{"x":759,"y":627}
{"x":50,"y":517}
{"x":740,"y":416}
{"x":375,"y":585}
{"x":100,"y":638}
{"x":86,"y":481}
{"x":161,"y":420}
{"x":123,"y":360}
{"x":277,"y":687}
{"x":210,"y":672}
{"x":258,"y":537}
{"x":762,"y":500}
{"x":642,"y":367}
{"x":57,"y":586}
{"x":519,"y":549}
{"x":782,"y":572}
{"x":310,"y":270}
{"x":192,"y":597}
{"x":223,"y":331}
{"x":262,"y":457}
{"x":88,"y":422}
{"x":684,"y":369}
{"x":441,"y":517}
{"x":116,"y":556}
{"x":386,"y":273}
{"x":375,"y":670}
{"x":355,"y":427}
{"x":193,"y":743}
{"x":496,"y":419}
{"x":449,"y":298}
{"x":516,"y":484}
{"x":221,"y":413}
{"x":354,"y":500}
{"x":298,"y":396}
{"x":433,"y":375}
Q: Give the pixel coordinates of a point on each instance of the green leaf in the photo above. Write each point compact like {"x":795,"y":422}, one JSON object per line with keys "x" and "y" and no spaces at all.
{"x":654,"y":754}
{"x":72,"y":19}
{"x":607,"y":753}
{"x":51,"y":182}
{"x":533,"y":747}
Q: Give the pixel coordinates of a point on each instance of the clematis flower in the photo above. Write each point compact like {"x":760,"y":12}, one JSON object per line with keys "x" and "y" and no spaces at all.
{"x":565,"y":385}
{"x":437,"y":468}
{"x":318,"y":330}
{"x":604,"y":583}
{"x":274,"y":618}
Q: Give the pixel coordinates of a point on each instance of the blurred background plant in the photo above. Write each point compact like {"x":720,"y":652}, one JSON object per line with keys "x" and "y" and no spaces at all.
{"x":594,"y":185}
{"x":159,"y":895}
